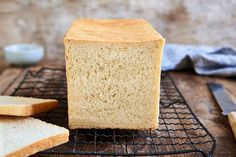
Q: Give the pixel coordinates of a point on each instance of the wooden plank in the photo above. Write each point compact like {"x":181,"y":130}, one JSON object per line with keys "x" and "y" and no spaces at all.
{"x":13,"y":86}
{"x":11,"y":74}
{"x":195,"y":91}
{"x":193,"y":88}
{"x":8,"y":77}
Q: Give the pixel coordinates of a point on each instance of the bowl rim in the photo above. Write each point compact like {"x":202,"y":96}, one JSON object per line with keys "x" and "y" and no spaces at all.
{"x":23,"y":47}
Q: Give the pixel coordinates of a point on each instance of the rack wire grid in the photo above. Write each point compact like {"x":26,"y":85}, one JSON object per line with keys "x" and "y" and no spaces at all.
{"x":179,"y":132}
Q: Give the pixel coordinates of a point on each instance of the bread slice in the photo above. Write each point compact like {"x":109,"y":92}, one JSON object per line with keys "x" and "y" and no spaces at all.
{"x":24,"y":136}
{"x":113,"y":73}
{"x":22,"y":106}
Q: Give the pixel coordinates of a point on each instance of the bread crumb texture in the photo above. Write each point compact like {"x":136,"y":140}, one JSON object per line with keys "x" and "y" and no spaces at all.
{"x":114,"y":85}
{"x":24,"y":136}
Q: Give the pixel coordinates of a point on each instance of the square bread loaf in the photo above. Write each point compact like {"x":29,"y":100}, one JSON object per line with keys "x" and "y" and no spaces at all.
{"x":113,"y":74}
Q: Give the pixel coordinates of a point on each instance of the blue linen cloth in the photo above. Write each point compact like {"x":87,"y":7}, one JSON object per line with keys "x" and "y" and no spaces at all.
{"x":205,"y":60}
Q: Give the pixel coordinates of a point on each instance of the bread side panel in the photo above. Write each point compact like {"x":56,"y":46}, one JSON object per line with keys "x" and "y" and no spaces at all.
{"x":69,"y":78}
{"x":158,"y":57}
{"x":152,"y":119}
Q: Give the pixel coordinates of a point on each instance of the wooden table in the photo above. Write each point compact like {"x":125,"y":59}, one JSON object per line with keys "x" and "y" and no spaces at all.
{"x":194,"y":89}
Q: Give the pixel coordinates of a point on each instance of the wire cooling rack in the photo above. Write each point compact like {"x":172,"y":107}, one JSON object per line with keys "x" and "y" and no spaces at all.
{"x":179,"y":132}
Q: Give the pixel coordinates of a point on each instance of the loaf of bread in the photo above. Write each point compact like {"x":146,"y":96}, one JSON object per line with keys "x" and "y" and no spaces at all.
{"x":24,"y":106}
{"x":24,"y":136}
{"x":113,"y":74}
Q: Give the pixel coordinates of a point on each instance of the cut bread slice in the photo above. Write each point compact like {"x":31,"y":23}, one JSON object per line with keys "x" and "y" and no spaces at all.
{"x":22,"y":106}
{"x":24,"y":136}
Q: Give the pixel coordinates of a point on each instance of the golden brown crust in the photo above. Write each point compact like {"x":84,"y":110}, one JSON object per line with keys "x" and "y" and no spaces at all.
{"x":40,"y":145}
{"x":111,"y":30}
{"x":27,"y":110}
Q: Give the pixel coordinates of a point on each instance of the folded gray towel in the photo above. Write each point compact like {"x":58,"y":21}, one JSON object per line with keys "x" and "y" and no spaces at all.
{"x":205,"y":60}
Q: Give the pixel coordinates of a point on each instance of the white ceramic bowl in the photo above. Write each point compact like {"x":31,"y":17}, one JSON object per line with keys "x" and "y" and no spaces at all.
{"x":23,"y":54}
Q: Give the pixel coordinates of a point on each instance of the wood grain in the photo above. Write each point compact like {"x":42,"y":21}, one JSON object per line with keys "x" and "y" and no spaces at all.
{"x":8,"y":77}
{"x":195,"y":91}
